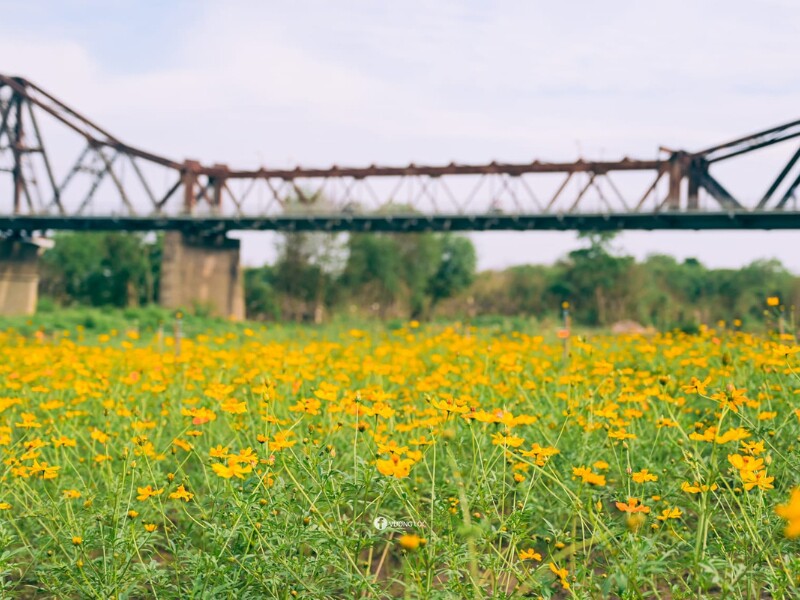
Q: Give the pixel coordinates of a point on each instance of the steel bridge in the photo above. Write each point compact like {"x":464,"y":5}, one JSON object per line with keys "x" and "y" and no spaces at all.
{"x":62,"y":171}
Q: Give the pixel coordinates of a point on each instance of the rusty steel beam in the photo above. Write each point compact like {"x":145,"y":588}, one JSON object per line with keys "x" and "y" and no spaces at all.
{"x":751,"y":142}
{"x":513,"y":169}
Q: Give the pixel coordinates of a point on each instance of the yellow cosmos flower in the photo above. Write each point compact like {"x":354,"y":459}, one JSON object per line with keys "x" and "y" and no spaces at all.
{"x":147,"y":492}
{"x":670,"y":513}
{"x":696,"y":488}
{"x":759,"y":479}
{"x":181,"y":494}
{"x":587,"y":476}
{"x":233,"y":407}
{"x":218,"y":452}
{"x":643,"y":476}
{"x":530,"y":554}
{"x":450,"y":406}
{"x":561,"y":573}
{"x":233,"y":469}
{"x":395,"y":467}
{"x":281,"y":440}
{"x":791,"y":512}
{"x":731,"y":398}
{"x":99,"y":436}
{"x":410,"y":542}
{"x":500,"y":439}
{"x":633,"y":505}
{"x":696,"y":386}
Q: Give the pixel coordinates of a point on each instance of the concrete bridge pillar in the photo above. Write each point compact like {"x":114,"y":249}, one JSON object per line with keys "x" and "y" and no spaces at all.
{"x":19,"y":276}
{"x":202,"y":271}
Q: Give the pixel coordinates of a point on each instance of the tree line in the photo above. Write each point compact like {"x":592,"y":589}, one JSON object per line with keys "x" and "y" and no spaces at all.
{"x":318,"y":276}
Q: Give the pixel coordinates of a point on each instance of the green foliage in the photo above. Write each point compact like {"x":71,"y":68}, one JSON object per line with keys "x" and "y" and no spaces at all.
{"x":456,"y":269}
{"x":391,"y":269}
{"x":598,"y":281}
{"x":260,"y":298}
{"x":305,"y":274}
{"x":603,"y":287}
{"x":101,"y":269}
{"x":416,"y":275}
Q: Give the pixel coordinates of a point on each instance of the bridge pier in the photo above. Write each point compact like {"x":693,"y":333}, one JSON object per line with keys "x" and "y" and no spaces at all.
{"x":19,"y":276}
{"x":202,"y":271}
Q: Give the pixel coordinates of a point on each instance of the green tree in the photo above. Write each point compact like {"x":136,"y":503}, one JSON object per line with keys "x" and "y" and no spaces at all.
{"x":600,"y":285}
{"x":260,"y":298}
{"x":116,"y":269}
{"x":456,"y":269}
{"x":373,"y":271}
{"x":306,"y":272}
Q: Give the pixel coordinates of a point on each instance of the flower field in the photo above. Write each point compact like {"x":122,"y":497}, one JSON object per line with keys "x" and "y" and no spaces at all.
{"x":421,"y":461}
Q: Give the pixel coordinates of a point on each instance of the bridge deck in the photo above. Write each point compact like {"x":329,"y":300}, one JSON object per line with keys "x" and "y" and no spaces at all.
{"x":211,"y":224}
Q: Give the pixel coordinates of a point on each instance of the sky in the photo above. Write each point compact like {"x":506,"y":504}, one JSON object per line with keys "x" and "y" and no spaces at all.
{"x":352,"y":82}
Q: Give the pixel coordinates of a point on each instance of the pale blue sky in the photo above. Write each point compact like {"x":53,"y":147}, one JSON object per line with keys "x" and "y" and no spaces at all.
{"x":353,"y":82}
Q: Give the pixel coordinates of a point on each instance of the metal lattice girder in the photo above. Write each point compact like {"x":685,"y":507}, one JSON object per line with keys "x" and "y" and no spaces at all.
{"x":105,"y":183}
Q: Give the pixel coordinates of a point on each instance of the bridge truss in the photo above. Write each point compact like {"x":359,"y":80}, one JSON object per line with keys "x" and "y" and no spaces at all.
{"x":59,"y":170}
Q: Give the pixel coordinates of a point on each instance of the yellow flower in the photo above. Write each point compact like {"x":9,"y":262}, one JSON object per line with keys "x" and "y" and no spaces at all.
{"x":181,"y":494}
{"x":233,"y":407}
{"x":410,"y":541}
{"x":643,"y":476}
{"x":732,"y":435}
{"x":696,"y":386}
{"x":499,"y":439}
{"x":633,"y":505}
{"x":394,"y":466}
{"x":150,"y":527}
{"x":561,"y":574}
{"x":731,"y":398}
{"x":218,"y":452}
{"x":72,"y":494}
{"x":44,"y":470}
{"x":587,"y":476}
{"x":745,"y":463}
{"x":77,"y":540}
{"x":791,"y":512}
{"x":309,"y":406}
{"x":182,"y":444}
{"x":147,"y":492}
{"x":281,"y":440}
{"x":759,"y":479}
{"x":5,"y":506}
{"x":696,"y":488}
{"x":773,"y":301}
{"x":530,"y":554}
{"x":451,"y":406}
{"x":754,"y":448}
{"x":99,"y":436}
{"x":670,"y":513}
{"x":233,"y":469}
